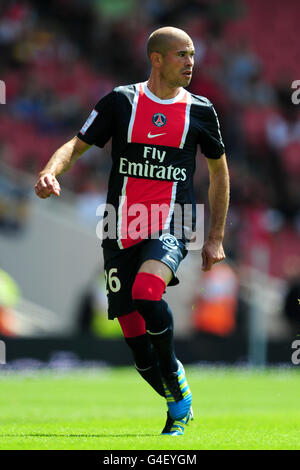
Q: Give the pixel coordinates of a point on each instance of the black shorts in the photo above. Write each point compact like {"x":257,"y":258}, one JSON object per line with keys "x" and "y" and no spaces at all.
{"x":121,"y":267}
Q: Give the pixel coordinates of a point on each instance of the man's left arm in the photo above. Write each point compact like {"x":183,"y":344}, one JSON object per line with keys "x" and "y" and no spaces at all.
{"x":218,"y":194}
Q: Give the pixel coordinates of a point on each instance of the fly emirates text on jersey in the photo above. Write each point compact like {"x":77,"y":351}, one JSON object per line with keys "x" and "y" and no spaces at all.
{"x":149,"y":170}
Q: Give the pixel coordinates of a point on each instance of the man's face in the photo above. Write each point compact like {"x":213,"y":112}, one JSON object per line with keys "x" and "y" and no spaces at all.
{"x":177,"y":64}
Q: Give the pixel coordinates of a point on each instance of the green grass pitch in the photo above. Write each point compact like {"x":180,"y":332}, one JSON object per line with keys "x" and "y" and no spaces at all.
{"x":114,"y":409}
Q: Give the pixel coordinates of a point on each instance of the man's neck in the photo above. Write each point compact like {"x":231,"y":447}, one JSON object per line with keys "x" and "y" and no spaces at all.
{"x":162,"y":90}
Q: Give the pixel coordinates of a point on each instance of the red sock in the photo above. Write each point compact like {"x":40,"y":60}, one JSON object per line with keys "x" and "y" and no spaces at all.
{"x":148,"y":286}
{"x":132,"y":324}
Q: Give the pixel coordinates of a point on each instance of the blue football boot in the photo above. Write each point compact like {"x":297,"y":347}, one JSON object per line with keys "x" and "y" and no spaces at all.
{"x":176,"y":427}
{"x":178,"y":393}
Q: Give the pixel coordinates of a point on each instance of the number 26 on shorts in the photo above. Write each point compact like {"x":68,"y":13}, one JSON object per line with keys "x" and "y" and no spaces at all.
{"x":112,"y":281}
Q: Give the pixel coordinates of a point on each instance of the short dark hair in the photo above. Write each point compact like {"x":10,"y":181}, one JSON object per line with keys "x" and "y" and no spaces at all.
{"x":159,"y":42}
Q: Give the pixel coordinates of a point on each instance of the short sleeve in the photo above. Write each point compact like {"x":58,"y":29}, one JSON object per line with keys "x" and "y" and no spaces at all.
{"x":210,"y":138}
{"x":98,"y":128}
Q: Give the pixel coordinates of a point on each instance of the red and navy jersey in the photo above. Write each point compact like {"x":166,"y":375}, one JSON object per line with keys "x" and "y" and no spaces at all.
{"x":154,"y":144}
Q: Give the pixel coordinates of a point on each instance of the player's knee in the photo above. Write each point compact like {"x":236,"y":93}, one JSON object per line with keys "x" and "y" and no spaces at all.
{"x":147,"y":294}
{"x":148,"y":286}
{"x":132,"y":324}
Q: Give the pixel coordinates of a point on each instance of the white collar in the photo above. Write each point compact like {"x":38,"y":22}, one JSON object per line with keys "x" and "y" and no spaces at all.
{"x":155,"y":98}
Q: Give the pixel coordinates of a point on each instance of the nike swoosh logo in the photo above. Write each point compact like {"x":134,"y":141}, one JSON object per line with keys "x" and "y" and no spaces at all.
{"x":150,"y":136}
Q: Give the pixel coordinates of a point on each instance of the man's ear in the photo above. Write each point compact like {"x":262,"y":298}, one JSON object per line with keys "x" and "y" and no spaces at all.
{"x":156,"y":59}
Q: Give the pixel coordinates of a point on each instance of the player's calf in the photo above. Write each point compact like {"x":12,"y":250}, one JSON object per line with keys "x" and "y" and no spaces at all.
{"x":133,"y":327}
{"x":147,"y":294}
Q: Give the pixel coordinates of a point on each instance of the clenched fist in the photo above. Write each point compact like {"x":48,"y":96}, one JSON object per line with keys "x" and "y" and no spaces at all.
{"x":46,"y":185}
{"x":212,"y":252}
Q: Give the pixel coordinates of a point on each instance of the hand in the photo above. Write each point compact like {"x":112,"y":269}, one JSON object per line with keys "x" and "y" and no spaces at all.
{"x":212,"y":252}
{"x":46,"y":185}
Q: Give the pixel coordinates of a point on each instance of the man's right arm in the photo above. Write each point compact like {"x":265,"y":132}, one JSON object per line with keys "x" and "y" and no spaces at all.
{"x":60,"y":162}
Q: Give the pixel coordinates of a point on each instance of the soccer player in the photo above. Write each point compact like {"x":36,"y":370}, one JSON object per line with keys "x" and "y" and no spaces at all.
{"x":155,"y":127}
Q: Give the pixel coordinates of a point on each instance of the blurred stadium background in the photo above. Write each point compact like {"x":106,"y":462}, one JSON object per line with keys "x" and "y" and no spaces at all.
{"x":58,"y":58}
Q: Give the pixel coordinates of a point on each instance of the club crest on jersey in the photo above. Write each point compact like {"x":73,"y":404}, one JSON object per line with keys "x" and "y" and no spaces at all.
{"x":159,"y":119}
{"x":169,"y":240}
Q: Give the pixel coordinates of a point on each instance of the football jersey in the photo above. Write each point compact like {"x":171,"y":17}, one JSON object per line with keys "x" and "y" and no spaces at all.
{"x":154,"y":145}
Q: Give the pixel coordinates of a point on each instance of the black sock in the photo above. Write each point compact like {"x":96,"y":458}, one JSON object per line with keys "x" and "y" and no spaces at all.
{"x":163,"y":345}
{"x":146,"y":361}
{"x":159,"y":324}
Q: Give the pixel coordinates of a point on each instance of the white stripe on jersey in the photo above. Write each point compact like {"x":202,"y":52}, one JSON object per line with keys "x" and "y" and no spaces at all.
{"x":134,"y":106}
{"x":172,"y":203}
{"x":121,"y":204}
{"x":187,"y":120}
